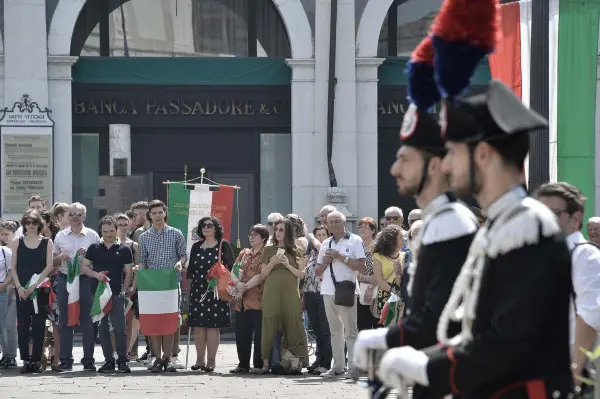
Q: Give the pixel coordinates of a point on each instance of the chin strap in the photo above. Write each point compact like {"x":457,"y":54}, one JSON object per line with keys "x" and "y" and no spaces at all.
{"x":423,"y":176}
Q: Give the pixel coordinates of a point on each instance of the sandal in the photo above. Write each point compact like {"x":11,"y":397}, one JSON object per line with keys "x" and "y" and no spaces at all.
{"x":208,"y":369}
{"x":197,"y":367}
{"x":238,"y":370}
{"x":261,"y":371}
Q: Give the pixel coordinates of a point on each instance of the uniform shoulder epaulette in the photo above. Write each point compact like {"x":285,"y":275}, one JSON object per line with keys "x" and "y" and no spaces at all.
{"x":523,"y":225}
{"x":453,"y":220}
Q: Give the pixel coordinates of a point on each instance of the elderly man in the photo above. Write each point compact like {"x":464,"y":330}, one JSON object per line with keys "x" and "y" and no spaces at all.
{"x":413,"y":216}
{"x":344,"y":255}
{"x":272,"y":220}
{"x":593,"y":229}
{"x":71,"y":244}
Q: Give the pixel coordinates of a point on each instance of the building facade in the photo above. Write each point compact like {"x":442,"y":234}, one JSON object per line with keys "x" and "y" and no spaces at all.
{"x":147,"y":91}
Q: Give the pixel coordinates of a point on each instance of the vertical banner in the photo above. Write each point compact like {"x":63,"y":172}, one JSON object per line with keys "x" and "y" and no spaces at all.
{"x":505,"y":61}
{"x":577,"y":81}
{"x":190,"y":203}
{"x":222,"y":208}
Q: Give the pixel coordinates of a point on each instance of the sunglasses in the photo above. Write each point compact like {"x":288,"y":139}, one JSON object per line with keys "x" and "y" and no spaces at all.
{"x":30,"y":222}
{"x":392,"y":217}
{"x":207,"y":225}
{"x":76,"y":214}
{"x":273,"y":223}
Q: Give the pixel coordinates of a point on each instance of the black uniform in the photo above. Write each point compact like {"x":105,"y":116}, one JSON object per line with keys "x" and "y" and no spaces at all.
{"x":513,"y":293}
{"x":447,"y":232}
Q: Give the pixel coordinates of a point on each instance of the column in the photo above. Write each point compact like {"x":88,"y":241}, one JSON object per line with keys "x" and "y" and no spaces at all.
{"x":60,"y":102}
{"x":25,"y":51}
{"x":366,"y":135}
{"x":318,"y":158}
{"x":345,"y":149}
{"x":303,"y":138}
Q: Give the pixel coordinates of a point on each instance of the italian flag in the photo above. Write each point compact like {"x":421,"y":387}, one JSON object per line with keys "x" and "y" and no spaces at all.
{"x":34,"y":281}
{"x":388,"y":313}
{"x":158,"y":297}
{"x":102,"y":300}
{"x":511,"y":63}
{"x":73,"y":291}
{"x":191,"y":202}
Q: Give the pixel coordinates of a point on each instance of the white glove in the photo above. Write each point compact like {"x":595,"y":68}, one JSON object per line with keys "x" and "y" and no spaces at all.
{"x":407,"y":362}
{"x":368,"y":340}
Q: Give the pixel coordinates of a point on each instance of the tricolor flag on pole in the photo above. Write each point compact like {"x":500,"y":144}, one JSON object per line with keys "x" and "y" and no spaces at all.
{"x":43,"y":284}
{"x":158,"y":298}
{"x":190,"y":203}
{"x":102,"y":300}
{"x":390,"y":312}
{"x":511,"y":63}
{"x":73,"y":291}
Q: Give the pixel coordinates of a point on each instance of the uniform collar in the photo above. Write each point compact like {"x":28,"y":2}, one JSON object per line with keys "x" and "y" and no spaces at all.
{"x":436,"y":204}
{"x":513,"y":196}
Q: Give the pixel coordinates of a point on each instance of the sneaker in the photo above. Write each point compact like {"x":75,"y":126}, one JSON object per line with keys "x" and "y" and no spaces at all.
{"x":145,"y":356}
{"x":107,"y":368}
{"x":157,"y":367}
{"x":2,"y":361}
{"x":89,"y":367}
{"x":9,"y":363}
{"x":319,"y":371}
{"x":64,"y":367}
{"x":170,"y":366}
{"x":352,"y":374}
{"x":26,"y":368}
{"x":333,"y":373}
{"x":176,"y":363}
{"x":124,"y":368}
{"x":150,"y":362}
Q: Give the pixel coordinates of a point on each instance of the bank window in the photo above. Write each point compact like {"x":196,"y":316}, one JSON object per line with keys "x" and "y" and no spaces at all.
{"x":180,"y":28}
{"x":275,"y":174}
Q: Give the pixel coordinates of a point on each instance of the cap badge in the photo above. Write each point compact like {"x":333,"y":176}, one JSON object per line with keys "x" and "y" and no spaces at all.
{"x":409,"y":123}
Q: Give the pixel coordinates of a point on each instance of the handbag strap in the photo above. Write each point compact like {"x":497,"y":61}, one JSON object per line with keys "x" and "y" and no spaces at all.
{"x":331,"y":267}
{"x":220,"y":247}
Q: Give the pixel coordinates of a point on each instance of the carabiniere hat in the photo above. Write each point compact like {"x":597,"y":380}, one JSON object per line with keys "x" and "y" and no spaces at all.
{"x":494,"y":115}
{"x":421,"y":130}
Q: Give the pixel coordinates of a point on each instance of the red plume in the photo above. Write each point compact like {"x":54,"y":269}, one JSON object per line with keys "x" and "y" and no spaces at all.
{"x":423,"y":52}
{"x":472,"y":21}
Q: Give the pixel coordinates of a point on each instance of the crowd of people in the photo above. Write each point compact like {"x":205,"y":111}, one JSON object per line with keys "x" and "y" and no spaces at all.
{"x":285,"y":294}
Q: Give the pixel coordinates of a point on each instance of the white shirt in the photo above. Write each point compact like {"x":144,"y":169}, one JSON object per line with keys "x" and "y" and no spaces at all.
{"x":351,"y":246}
{"x":19,"y":232}
{"x":5,"y":265}
{"x":585,"y":261}
{"x":68,"y":242}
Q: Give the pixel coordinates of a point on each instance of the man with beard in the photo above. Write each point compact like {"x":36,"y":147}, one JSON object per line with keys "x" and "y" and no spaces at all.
{"x":449,"y":227}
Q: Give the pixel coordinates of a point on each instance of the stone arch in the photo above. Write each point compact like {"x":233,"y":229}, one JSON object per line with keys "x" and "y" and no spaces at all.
{"x":292,"y":13}
{"x":367,"y":37}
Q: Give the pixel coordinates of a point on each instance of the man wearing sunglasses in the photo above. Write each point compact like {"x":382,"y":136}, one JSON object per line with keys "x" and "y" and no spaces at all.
{"x":69,"y":244}
{"x":272,"y":220}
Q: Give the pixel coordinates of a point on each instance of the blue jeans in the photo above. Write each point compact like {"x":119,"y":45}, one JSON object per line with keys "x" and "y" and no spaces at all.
{"x":86,"y":297}
{"x":117,"y":319}
{"x":8,"y":326}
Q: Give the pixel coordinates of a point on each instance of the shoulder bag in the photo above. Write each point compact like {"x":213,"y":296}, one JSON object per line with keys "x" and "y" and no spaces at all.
{"x":344,"y":290}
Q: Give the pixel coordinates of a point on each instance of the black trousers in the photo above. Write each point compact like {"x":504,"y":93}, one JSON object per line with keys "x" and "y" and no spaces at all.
{"x":315,"y":308}
{"x":365,"y":319}
{"x":28,"y":320}
{"x":248,"y":323}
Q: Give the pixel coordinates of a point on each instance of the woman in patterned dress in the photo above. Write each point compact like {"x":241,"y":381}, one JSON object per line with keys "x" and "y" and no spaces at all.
{"x":207,"y":314}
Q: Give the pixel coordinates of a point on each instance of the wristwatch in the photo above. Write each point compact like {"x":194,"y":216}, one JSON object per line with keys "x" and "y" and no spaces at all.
{"x":346,"y":259}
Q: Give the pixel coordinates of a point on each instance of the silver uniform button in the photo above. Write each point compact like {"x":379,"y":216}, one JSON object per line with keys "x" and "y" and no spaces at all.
{"x":556,"y":394}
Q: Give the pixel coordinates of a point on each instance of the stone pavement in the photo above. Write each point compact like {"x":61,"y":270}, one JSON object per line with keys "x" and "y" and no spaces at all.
{"x":184,"y":383}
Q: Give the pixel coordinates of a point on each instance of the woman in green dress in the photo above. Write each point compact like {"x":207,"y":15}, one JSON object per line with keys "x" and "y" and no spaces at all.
{"x":282,"y":266}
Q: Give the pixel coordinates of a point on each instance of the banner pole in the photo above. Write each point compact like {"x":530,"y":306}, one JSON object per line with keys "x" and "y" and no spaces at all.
{"x":202,"y":172}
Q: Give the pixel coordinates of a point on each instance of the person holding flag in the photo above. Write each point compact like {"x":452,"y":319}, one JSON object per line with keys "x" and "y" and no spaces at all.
{"x":31,"y":265}
{"x":74,"y":292}
{"x":111,"y":263}
{"x":513,"y":293}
